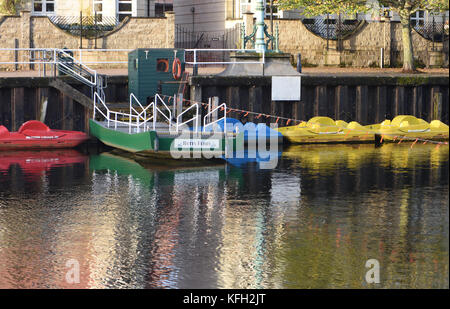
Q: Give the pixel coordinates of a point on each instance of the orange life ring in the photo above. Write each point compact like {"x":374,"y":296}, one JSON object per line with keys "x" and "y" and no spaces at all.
{"x":176,"y":68}
{"x":162,"y":65}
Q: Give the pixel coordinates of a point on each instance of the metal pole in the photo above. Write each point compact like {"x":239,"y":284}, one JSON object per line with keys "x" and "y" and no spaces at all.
{"x":81,"y":29}
{"x":195,"y":69}
{"x":271,"y":23}
{"x":328,"y":30}
{"x":96,"y":29}
{"x":432,"y":34}
{"x":260,"y":45}
{"x":193,"y":19}
{"x":339,"y":32}
{"x":299,"y":63}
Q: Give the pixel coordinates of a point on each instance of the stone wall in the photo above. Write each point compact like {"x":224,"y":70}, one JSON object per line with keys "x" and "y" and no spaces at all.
{"x":29,"y":31}
{"x":360,"y":50}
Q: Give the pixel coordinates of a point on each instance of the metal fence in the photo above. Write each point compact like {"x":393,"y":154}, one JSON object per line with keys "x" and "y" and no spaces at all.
{"x":432,"y":30}
{"x":331,"y":28}
{"x":89,"y":27}
{"x":43,"y":59}
{"x":228,"y":39}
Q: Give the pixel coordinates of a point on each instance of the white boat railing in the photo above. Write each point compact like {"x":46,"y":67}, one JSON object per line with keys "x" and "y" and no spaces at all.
{"x":156,"y":110}
{"x":194,"y":119}
{"x":140,"y":115}
{"x":222,"y":107}
{"x":118,"y":118}
{"x":140,"y":119}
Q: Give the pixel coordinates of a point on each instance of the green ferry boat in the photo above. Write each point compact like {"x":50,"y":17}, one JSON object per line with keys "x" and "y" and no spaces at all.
{"x":140,"y":132}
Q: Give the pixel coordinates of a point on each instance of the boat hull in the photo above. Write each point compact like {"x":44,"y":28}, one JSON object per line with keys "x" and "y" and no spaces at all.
{"x":313,"y":138}
{"x":35,"y":135}
{"x":324,"y":130}
{"x":156,"y":145}
{"x":406,"y":127}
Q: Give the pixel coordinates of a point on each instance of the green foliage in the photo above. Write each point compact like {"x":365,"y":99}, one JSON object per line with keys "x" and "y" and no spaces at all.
{"x":9,"y":7}
{"x":320,"y":7}
{"x":404,"y":8}
{"x":411,"y":6}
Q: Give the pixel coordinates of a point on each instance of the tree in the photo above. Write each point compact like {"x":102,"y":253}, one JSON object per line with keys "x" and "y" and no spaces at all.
{"x":404,"y":8}
{"x":9,"y":7}
{"x":321,"y":7}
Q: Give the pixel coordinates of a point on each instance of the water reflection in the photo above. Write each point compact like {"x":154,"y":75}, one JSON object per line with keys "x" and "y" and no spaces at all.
{"x":310,"y":223}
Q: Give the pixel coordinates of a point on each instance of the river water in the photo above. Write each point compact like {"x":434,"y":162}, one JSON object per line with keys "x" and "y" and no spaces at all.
{"x":312,"y":222}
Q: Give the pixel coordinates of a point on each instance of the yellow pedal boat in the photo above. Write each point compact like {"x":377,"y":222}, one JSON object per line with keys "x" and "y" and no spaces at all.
{"x":326,"y":130}
{"x":408,"y":127}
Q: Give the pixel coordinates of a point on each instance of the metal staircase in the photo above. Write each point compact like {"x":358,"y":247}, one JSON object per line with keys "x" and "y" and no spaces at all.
{"x":66,"y":64}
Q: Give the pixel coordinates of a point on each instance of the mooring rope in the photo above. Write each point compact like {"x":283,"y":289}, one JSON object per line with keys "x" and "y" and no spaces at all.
{"x":288,"y":120}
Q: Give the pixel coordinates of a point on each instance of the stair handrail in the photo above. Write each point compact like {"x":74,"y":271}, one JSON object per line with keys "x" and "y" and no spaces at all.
{"x":93,"y":79}
{"x":97,"y":97}
{"x":92,"y":72}
{"x":223,"y":107}
{"x":196,"y":117}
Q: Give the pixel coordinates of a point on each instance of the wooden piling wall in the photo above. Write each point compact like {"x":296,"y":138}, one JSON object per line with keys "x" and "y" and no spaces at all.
{"x":21,"y":99}
{"x":367,"y":99}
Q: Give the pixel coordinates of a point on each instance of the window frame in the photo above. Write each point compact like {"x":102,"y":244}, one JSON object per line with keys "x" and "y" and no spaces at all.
{"x":44,"y":11}
{"x":130,"y":13}
{"x":99,"y":13}
{"x":417,"y":20}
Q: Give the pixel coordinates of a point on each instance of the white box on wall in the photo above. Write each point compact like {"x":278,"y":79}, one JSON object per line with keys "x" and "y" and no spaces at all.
{"x":286,"y":88}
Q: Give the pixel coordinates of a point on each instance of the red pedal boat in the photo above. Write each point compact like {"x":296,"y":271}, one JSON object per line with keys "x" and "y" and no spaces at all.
{"x":34,"y":134}
{"x":35,"y":162}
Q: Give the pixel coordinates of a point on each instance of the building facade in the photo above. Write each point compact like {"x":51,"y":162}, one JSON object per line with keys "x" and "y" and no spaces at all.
{"x":110,"y":8}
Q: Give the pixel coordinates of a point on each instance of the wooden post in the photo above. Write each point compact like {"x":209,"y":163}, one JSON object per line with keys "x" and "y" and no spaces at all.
{"x":5,"y":107}
{"x":417,"y":101}
{"x":179,"y":106}
{"x":254,"y":101}
{"x":67,"y":113}
{"x":437,"y":106}
{"x":17,"y":98}
{"x":341,"y":103}
{"x":399,"y":103}
{"x":196,"y":93}
{"x":233,"y":96}
{"x":361,"y":104}
{"x":215,"y":103}
{"x":174,"y":106}
{"x":381,"y":104}
{"x":320,"y":102}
